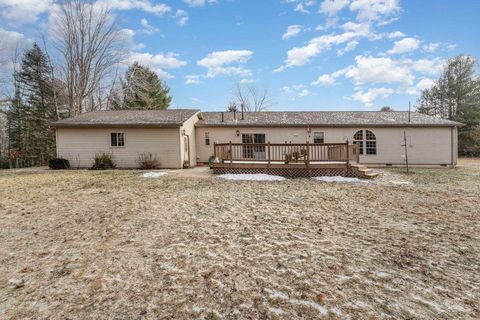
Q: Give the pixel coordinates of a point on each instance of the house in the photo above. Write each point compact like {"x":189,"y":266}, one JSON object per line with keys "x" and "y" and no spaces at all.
{"x":181,"y":138}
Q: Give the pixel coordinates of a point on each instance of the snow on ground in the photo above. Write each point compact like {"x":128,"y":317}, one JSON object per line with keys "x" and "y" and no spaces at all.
{"x":340,"y":179}
{"x":153,"y":174}
{"x":251,"y":177}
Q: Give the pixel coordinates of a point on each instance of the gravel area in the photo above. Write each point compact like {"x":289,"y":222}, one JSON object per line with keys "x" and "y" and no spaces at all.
{"x":112,"y":245}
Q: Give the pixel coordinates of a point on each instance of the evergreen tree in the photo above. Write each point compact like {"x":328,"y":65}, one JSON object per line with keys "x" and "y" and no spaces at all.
{"x":456,"y":96}
{"x":141,"y":89}
{"x":33,"y":109}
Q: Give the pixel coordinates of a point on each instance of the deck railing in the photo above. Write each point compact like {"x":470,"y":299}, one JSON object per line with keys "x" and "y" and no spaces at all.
{"x":286,"y":152}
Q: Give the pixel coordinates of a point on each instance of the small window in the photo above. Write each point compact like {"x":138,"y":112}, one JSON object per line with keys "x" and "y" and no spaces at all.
{"x":207,"y":138}
{"x":117,"y":139}
{"x":318,"y":137}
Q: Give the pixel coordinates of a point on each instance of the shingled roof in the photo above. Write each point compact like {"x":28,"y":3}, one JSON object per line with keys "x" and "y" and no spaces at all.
{"x":324,"y":119}
{"x":133,"y":118}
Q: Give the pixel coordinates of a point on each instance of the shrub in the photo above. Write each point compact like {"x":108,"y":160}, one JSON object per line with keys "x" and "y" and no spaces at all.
{"x":58,"y":164}
{"x":4,"y":163}
{"x":103,"y":161}
{"x":148,"y":161}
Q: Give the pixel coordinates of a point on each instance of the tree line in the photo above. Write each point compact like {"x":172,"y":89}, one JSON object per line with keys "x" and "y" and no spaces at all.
{"x":455,"y":96}
{"x":83,"y":75}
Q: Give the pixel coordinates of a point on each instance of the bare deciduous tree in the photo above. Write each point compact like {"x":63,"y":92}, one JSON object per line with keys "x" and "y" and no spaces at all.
{"x":91,"y":45}
{"x":252,"y":98}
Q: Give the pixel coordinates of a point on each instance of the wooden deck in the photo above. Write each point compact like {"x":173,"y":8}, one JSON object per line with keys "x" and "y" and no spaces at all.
{"x":290,"y":159}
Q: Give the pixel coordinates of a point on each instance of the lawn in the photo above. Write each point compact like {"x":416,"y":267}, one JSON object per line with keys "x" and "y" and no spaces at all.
{"x":98,"y":245}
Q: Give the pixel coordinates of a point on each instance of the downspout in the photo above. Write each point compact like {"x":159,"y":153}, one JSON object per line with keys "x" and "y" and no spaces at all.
{"x":452,"y":136}
{"x":188,"y":149}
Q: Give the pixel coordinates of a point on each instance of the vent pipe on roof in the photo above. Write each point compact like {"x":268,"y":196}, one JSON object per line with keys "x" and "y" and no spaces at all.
{"x":234,"y":114}
{"x":222,"y":116}
{"x":242,"y":111}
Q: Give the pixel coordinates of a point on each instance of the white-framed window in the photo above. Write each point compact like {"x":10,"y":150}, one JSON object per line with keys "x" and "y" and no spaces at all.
{"x":117,"y":139}
{"x":318,"y":137}
{"x":366,"y":141}
{"x":207,"y":138}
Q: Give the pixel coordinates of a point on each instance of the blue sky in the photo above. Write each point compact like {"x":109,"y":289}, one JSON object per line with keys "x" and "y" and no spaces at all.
{"x":309,"y":54}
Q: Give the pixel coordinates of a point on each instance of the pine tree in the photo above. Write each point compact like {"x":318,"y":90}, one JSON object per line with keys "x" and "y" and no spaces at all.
{"x":33,"y":109}
{"x":456,"y":96}
{"x":141,"y":89}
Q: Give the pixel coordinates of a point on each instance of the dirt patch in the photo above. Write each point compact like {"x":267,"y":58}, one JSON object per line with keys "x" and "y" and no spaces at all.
{"x":102,"y":245}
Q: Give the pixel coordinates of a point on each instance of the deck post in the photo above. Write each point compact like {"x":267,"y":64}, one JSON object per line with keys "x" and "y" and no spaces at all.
{"x":348,"y":155}
{"x":231,"y":154}
{"x":214,"y":150}
{"x":308,"y":155}
{"x":269,"y":154}
{"x":309,"y":173}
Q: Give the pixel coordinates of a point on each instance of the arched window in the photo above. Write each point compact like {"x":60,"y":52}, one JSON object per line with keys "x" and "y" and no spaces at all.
{"x":366,"y":141}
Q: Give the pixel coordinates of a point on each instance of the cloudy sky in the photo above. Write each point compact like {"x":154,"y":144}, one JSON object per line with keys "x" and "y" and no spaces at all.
{"x":309,"y":54}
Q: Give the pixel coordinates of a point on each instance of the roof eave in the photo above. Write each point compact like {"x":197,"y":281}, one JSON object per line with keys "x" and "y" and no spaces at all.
{"x":397,"y":125}
{"x":116,"y":125}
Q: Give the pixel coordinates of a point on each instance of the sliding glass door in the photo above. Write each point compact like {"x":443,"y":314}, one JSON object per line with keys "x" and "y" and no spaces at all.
{"x":252,"y":151}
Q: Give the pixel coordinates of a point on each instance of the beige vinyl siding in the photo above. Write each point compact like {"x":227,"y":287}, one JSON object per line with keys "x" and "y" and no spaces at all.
{"x":427,"y":146}
{"x":189,"y":127}
{"x":79,"y":145}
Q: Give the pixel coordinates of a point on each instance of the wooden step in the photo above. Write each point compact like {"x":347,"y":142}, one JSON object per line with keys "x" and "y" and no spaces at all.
{"x":364,"y":172}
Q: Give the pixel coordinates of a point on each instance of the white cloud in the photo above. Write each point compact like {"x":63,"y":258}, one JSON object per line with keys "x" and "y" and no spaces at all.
{"x":198,"y":3}
{"x":192,"y":79}
{"x":220,"y":63}
{"x":370,"y":69}
{"x":144,"y":5}
{"x":405,"y":45}
{"x":158,"y":62}
{"x":10,"y":41}
{"x":395,"y":35}
{"x":292,"y":31}
{"x":246,"y":81}
{"x":20,"y":11}
{"x":332,"y":7}
{"x":304,"y":93}
{"x":147,"y":28}
{"x":301,"y":8}
{"x":349,"y":47}
{"x":431,"y":47}
{"x":375,"y":10}
{"x":182,"y":16}
{"x":324,"y":80}
{"x":299,"y":89}
{"x":368,"y":97}
{"x":425,"y":83}
{"x":330,"y":23}
{"x":299,"y":56}
{"x":194,"y":100}
{"x":426,"y":66}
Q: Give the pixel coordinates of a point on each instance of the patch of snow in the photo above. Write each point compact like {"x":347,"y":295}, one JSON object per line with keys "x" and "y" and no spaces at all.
{"x":323,"y":311}
{"x":340,"y":179}
{"x":251,"y":177}
{"x":399,"y":182}
{"x":276,"y":311}
{"x":153,"y":174}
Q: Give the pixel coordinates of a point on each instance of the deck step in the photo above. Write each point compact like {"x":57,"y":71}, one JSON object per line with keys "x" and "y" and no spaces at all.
{"x":364,"y":172}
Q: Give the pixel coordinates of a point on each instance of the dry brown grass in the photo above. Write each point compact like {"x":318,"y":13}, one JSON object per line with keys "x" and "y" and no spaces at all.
{"x":82,"y":244}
